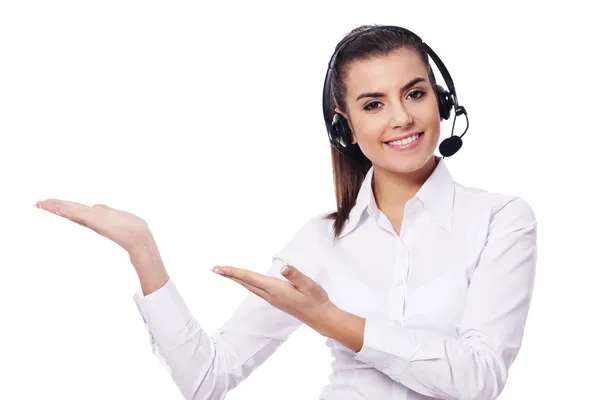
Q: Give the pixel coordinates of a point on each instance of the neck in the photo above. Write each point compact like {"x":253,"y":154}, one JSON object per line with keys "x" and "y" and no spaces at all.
{"x":392,"y":190}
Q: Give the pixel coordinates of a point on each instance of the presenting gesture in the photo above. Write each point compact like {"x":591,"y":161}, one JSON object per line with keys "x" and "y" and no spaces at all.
{"x":299,"y":296}
{"x":125,"y":229}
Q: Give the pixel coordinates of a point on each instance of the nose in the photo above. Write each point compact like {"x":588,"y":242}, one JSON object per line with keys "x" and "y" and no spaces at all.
{"x":400,"y":116}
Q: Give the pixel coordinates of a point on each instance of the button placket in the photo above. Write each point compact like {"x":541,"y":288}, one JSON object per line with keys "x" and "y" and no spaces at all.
{"x":400,"y":272}
{"x":398,"y":293}
{"x":403,"y":254}
{"x":398,"y":290}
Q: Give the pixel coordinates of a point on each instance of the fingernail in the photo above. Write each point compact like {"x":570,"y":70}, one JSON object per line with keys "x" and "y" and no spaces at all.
{"x":218,"y":271}
{"x":285,"y":270}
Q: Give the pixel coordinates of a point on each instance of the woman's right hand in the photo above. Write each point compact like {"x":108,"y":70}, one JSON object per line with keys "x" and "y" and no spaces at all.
{"x":127,"y":230}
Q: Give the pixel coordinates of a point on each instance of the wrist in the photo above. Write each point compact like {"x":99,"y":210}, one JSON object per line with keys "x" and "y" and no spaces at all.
{"x":143,"y":247}
{"x":146,"y":258}
{"x":328,"y":317}
{"x":150,"y":269}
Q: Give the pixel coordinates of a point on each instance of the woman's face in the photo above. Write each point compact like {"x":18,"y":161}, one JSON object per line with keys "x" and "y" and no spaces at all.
{"x":389,"y":97}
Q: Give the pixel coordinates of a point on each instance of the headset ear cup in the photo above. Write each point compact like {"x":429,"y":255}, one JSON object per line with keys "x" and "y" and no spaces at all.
{"x":443,"y":100}
{"x":341,"y":130}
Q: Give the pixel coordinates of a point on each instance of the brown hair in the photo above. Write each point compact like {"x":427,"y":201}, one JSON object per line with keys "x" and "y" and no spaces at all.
{"x":348,"y":175}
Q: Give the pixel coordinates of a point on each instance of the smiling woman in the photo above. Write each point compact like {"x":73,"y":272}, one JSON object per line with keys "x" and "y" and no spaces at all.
{"x":420,"y":285}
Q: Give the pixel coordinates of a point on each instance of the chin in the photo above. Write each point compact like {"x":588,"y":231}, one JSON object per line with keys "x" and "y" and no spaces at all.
{"x":410,"y":164}
{"x":409,"y":161}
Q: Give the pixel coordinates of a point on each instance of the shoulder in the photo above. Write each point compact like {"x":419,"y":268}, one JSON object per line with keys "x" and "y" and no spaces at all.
{"x":505,"y":209}
{"x":313,"y":233}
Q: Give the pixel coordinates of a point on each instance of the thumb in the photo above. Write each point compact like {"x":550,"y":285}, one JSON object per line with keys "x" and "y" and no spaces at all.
{"x":297,"y":278}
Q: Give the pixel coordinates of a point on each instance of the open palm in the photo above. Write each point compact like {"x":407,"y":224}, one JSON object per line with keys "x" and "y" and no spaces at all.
{"x":125,"y":229}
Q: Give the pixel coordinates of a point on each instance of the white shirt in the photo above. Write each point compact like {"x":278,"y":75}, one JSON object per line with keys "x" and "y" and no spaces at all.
{"x":445,"y":301}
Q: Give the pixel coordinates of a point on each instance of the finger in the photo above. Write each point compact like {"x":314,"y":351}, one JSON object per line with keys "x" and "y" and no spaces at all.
{"x":84,"y":225}
{"x":62,"y":207}
{"x":54,"y":204}
{"x":53,"y":208}
{"x":250,"y":277}
{"x":254,"y":289}
{"x":79,"y":213}
{"x":297,"y":278}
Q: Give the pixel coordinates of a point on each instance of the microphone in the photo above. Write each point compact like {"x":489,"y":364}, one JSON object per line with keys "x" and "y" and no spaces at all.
{"x":451,"y":145}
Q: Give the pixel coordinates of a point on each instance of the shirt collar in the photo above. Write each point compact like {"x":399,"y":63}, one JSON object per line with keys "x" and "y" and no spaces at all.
{"x":436,"y":195}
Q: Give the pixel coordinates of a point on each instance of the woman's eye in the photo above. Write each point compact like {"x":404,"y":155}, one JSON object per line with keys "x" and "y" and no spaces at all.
{"x":415,"y":95}
{"x":369,"y":106}
{"x":420,"y":92}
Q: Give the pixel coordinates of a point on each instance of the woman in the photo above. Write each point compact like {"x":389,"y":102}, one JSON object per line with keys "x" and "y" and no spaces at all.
{"x":421,"y":285}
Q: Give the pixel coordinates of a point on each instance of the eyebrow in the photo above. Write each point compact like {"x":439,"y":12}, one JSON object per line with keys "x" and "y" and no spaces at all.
{"x":405,"y":87}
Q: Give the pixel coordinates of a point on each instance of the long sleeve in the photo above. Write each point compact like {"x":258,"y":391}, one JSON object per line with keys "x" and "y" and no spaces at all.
{"x":473,"y":365}
{"x":206,"y":367}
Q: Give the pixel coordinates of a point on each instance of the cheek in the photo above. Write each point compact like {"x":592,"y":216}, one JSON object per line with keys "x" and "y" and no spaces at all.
{"x":433,"y":131}
{"x":432,"y":119}
{"x":432,"y":112}
{"x":434,"y":138}
{"x":369,"y":134}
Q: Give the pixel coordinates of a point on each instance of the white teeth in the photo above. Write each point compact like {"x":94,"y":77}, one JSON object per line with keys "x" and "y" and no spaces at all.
{"x":404,"y":141}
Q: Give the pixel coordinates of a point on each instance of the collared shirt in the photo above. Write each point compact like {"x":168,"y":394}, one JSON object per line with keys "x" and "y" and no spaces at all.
{"x":445,"y":301}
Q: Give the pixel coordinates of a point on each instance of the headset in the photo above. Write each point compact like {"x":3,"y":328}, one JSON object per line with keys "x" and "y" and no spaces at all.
{"x":339,"y":132}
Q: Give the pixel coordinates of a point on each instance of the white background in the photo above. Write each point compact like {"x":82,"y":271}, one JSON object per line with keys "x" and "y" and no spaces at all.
{"x":205,"y":119}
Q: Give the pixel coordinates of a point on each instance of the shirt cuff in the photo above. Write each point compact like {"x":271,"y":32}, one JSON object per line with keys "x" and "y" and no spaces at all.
{"x":387,"y":346}
{"x":164,"y":310}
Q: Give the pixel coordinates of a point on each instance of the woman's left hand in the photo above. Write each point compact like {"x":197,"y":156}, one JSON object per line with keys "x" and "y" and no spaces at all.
{"x":300,"y":296}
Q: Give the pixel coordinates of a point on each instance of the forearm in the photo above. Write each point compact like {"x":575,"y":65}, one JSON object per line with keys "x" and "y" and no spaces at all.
{"x":149,"y":267}
{"x":412,"y":358}
{"x":344,"y":327}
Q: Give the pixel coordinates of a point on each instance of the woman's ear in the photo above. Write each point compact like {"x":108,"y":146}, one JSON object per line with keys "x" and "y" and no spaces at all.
{"x":337,"y":110}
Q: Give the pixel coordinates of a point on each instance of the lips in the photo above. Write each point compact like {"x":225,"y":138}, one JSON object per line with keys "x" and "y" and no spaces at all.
{"x":404,"y":137}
